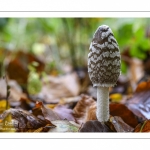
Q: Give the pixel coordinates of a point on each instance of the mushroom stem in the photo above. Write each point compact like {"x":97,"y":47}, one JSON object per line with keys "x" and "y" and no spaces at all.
{"x":102,"y":112}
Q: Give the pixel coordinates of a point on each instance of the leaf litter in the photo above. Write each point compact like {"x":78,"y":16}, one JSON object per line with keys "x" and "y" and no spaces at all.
{"x":63,"y":105}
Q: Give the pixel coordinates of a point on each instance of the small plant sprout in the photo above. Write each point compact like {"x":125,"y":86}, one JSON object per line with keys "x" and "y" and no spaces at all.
{"x":104,"y":62}
{"x":34,"y":83}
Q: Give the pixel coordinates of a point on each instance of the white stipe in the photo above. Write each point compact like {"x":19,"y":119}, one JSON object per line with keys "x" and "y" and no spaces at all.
{"x":102,"y":104}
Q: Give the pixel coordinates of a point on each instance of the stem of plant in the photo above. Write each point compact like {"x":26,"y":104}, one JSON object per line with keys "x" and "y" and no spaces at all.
{"x":7,"y":91}
{"x":102,"y":104}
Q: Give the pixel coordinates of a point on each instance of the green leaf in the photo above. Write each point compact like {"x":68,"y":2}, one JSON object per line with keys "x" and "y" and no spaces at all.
{"x":123,"y":67}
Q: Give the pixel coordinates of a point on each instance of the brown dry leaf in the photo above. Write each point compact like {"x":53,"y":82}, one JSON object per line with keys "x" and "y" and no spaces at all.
{"x":64,"y":112}
{"x":120,"y":125}
{"x":82,"y":108}
{"x":122,"y":111}
{"x":68,"y":100}
{"x":115,"y":124}
{"x":64,"y":126}
{"x":15,"y":90}
{"x":26,"y":104}
{"x":56,"y":88}
{"x":91,"y":112}
{"x":95,"y":126}
{"x":126,"y":116}
{"x":22,"y":120}
{"x":139,"y":104}
{"x":143,"y":86}
{"x":143,"y":127}
{"x":18,"y":72}
{"x":40,"y":111}
{"x":115,"y":110}
{"x":44,"y":129}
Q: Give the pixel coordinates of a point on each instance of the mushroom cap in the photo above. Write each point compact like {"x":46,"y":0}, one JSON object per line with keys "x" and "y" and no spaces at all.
{"x":104,"y":60}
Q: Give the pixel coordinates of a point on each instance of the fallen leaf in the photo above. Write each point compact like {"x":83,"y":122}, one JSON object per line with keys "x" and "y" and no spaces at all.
{"x":51,"y":106}
{"x":43,"y":112}
{"x":64,"y":126}
{"x":143,"y":127}
{"x":116,"y":109}
{"x":114,"y":124}
{"x":66,"y":100}
{"x":70,"y":102}
{"x":7,"y":124}
{"x":139,"y":104}
{"x":45,"y":129}
{"x":82,"y":107}
{"x":15,"y":90}
{"x":64,"y":112}
{"x":26,"y":104}
{"x":56,"y":88}
{"x":91,"y":112}
{"x":95,"y":126}
{"x":120,"y":125}
{"x":122,"y":111}
{"x":22,"y":120}
{"x":3,"y":104}
{"x":20,"y":74}
{"x":115,"y":97}
{"x":143,"y":86}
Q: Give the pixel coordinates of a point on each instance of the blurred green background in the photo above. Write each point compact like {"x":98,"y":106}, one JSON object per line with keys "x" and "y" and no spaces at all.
{"x":66,"y":40}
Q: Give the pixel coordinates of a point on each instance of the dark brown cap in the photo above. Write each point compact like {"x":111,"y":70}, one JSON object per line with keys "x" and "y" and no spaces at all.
{"x":104,"y":58}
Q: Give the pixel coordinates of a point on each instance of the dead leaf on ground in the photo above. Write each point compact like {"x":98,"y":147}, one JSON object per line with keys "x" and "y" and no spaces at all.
{"x":85,"y":110}
{"x":70,"y":101}
{"x":22,"y":120}
{"x":143,"y":86}
{"x":44,"y":129}
{"x":122,"y":111}
{"x":119,"y":124}
{"x":116,"y":97}
{"x":82,"y":107}
{"x":95,"y":126}
{"x":139,"y":104}
{"x":64,"y":126}
{"x":40,"y":111}
{"x":15,"y":90}
{"x":20,"y":74}
{"x":56,"y":88}
{"x":3,"y":104}
{"x":26,"y":104}
{"x":64,"y":112}
{"x":115,"y":124}
{"x":143,"y":127}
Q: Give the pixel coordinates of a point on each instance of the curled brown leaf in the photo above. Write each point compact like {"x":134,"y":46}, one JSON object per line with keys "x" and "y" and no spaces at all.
{"x":21,"y":120}
{"x":40,"y":111}
{"x":82,"y":108}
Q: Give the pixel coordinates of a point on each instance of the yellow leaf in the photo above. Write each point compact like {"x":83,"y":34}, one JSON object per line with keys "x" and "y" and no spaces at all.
{"x":39,"y":129}
{"x":7,"y":125}
{"x":51,"y":106}
{"x":3,"y":106}
{"x":116,"y":97}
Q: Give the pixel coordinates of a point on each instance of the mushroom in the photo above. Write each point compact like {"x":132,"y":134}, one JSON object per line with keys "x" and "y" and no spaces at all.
{"x":104,"y":62}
